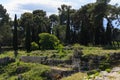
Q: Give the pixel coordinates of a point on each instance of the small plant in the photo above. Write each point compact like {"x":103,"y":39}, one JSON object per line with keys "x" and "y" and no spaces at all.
{"x":18,"y":63}
{"x":34,"y":46}
{"x":92,"y":72}
{"x":96,"y":74}
{"x":60,"y":48}
{"x":76,"y":46}
{"x":104,"y":65}
{"x":108,"y":70}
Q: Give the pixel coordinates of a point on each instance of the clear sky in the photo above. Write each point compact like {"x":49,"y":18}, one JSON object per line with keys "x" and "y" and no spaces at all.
{"x":50,"y":6}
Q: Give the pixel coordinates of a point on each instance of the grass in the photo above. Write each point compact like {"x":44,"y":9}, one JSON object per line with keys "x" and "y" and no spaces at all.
{"x":49,"y":53}
{"x":76,"y":76}
{"x":53,"y":54}
{"x":32,"y":71}
{"x":37,"y":70}
{"x":98,"y":50}
{"x":11,"y":54}
{"x":66,"y":54}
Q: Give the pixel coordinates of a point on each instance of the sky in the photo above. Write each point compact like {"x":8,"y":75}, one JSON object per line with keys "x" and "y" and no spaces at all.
{"x":50,"y":6}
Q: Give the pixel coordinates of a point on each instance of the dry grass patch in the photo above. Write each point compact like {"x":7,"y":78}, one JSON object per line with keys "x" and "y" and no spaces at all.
{"x":76,"y":76}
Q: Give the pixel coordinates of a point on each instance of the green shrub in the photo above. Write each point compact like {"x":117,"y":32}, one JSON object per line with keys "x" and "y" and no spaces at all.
{"x":37,"y":73}
{"x":104,"y":65}
{"x":48,"y":41}
{"x":34,"y":46}
{"x":76,"y":46}
{"x":60,"y":48}
{"x":108,"y":70}
{"x":93,"y":72}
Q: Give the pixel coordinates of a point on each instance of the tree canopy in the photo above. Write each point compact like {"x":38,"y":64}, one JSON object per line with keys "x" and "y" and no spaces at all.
{"x":85,"y":25}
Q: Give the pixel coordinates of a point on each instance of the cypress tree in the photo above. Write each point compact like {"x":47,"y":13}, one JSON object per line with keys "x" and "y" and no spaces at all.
{"x":109,"y":34}
{"x":28,"y":38}
{"x":68,"y":27}
{"x":15,"y":36}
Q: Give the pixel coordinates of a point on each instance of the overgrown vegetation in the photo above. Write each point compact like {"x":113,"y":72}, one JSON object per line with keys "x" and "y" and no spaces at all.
{"x":26,"y":71}
{"x":65,"y":51}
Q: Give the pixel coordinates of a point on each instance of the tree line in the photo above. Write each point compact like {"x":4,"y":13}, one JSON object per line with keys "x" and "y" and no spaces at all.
{"x":84,"y":26}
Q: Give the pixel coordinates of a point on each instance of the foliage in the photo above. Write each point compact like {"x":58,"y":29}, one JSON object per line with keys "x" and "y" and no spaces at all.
{"x":68,"y":36}
{"x":60,"y":48}
{"x":6,"y":35}
{"x":63,"y":13}
{"x":5,"y":28}
{"x":15,"y":36}
{"x":93,"y":72}
{"x":104,"y":65}
{"x":77,"y":46}
{"x":48,"y":41}
{"x":84,"y":26}
{"x":39,"y":73}
{"x":54,"y":19}
{"x":27,"y":71}
{"x":76,"y":76}
{"x":34,"y":46}
{"x":108,"y":70}
{"x":4,"y":17}
{"x":100,"y":51}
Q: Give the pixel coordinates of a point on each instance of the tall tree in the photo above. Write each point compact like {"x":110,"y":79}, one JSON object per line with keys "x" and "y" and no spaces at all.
{"x":15,"y":37}
{"x":62,"y":14}
{"x":83,"y":24}
{"x":4,"y":26}
{"x":99,"y":13}
{"x":54,"y":21}
{"x":109,"y":34}
{"x":27,"y":23}
{"x":4,"y":17}
{"x":68,"y":36}
{"x":28,"y":38}
{"x":41,"y":22}
{"x":65,"y":16}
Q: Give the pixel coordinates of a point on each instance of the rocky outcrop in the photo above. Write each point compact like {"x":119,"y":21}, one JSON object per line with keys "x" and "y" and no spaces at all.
{"x":33,"y":59}
{"x":78,"y":61}
{"x":114,"y":74}
{"x":6,"y":60}
{"x":89,"y":62}
{"x":44,"y":60}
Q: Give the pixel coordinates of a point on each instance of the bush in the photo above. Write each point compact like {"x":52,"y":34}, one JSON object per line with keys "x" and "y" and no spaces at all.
{"x":77,"y":51}
{"x":48,"y":41}
{"x":108,"y":70}
{"x":34,"y":46}
{"x":93,"y":72}
{"x":104,"y":65}
{"x":60,"y":48}
{"x":77,"y":47}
